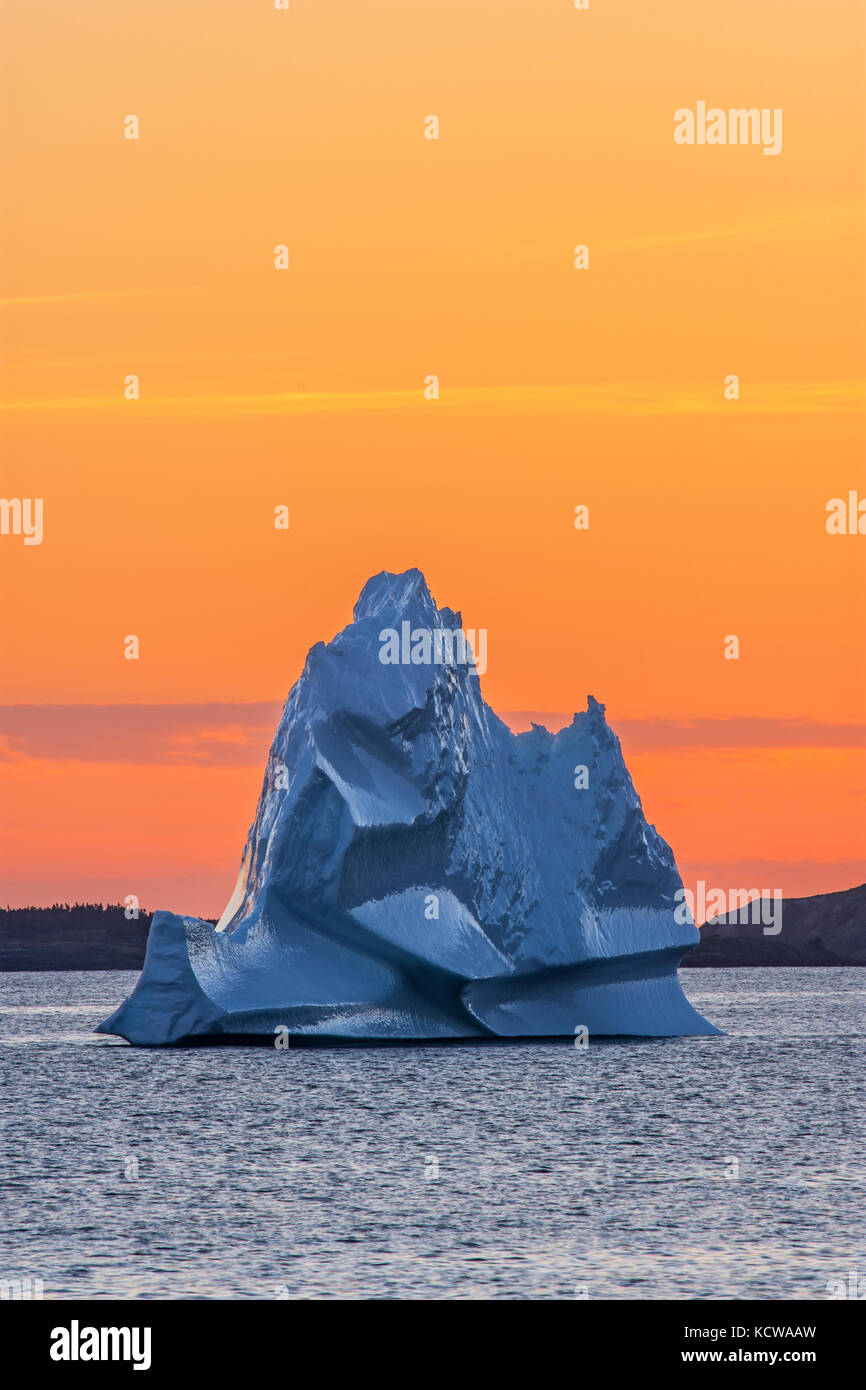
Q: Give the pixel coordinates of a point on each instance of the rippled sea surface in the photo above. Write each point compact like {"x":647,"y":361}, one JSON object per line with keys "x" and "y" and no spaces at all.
{"x":720,"y":1167}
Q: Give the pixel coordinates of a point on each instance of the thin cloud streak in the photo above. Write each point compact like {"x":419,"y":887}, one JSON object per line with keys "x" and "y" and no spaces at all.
{"x":239,"y":734}
{"x":849,"y":216}
{"x":744,"y":731}
{"x":624,"y":398}
{"x":66,"y":298}
{"x":190,"y":735}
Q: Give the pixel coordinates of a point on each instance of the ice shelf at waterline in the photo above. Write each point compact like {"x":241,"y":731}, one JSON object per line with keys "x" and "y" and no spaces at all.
{"x":417,"y":871}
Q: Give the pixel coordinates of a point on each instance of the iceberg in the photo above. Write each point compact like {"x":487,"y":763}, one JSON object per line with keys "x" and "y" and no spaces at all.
{"x":416,"y":871}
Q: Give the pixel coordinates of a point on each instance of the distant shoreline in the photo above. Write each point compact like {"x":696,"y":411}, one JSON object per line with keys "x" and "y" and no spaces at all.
{"x":826,"y":930}
{"x":72,"y":936}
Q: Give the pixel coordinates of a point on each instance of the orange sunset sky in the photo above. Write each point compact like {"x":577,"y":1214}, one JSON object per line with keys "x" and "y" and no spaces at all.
{"x":412,"y":257}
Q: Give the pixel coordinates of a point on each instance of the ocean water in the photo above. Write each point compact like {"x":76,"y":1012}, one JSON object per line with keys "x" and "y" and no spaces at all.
{"x":720,"y":1167}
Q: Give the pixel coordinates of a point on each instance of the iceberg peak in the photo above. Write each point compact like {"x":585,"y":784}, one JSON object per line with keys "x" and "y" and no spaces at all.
{"x":387,"y":594}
